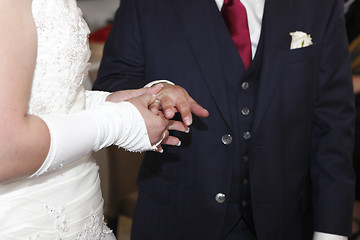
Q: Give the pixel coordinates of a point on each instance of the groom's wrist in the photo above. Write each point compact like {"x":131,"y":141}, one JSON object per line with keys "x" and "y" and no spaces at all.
{"x":150,"y":84}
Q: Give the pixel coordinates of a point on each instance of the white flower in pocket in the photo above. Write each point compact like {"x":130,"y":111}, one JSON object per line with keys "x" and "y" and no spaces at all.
{"x":300,"y":39}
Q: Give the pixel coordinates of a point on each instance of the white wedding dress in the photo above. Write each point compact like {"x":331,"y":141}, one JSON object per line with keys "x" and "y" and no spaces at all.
{"x":66,"y":204}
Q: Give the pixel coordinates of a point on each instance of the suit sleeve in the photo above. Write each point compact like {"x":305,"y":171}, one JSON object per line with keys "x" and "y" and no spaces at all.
{"x":333,"y":132}
{"x":123,"y":64}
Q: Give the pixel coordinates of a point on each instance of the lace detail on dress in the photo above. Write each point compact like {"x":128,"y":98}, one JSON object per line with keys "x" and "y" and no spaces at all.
{"x":63,"y":55}
{"x":94,"y":230}
{"x":61,"y":221}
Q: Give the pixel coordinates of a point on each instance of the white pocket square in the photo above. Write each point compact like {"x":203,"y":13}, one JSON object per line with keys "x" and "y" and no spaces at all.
{"x":300,"y":39}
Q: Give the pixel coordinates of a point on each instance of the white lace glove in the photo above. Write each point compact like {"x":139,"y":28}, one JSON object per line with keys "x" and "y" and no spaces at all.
{"x":95,"y":98}
{"x":77,"y":134}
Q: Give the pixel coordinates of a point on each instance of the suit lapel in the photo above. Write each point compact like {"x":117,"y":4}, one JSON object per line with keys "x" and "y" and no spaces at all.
{"x":196,"y":17}
{"x":275,"y":34}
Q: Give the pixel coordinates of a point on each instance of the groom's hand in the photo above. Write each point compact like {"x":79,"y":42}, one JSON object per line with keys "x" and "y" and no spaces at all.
{"x":172,"y":99}
{"x":157,"y":125}
{"x":124,"y":95}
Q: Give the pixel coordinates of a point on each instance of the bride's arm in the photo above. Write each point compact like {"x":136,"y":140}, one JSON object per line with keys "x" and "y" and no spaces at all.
{"x":24,"y":139}
{"x":25,"y":145}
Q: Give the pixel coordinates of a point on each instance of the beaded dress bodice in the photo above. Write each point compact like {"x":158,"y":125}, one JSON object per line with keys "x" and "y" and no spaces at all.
{"x":63,"y":54}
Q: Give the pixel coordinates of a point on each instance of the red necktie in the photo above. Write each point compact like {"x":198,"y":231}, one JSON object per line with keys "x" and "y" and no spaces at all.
{"x":234,"y":14}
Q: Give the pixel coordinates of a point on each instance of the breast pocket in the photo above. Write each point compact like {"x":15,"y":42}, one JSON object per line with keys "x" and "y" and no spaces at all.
{"x":301,"y":54}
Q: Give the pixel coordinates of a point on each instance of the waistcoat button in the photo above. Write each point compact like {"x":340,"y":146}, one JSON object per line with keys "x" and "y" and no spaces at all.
{"x":226,"y":139}
{"x":245,"y":111}
{"x":245,"y":181}
{"x":247,"y":135}
{"x":245,"y":85}
{"x":220,"y":197}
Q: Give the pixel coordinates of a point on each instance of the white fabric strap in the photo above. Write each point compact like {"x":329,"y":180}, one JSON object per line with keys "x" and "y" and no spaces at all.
{"x":328,"y":236}
{"x":77,"y":134}
{"x":347,"y":5}
{"x":150,"y":84}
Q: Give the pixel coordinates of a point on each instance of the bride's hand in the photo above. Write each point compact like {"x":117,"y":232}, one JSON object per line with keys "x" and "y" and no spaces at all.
{"x":124,"y":95}
{"x":156,"y":124}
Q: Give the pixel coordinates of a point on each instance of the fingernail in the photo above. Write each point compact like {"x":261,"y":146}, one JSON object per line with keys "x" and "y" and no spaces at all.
{"x":187,"y":130}
{"x":168,"y":113}
{"x":187,"y":121}
{"x":161,"y":151}
{"x":179,"y":144}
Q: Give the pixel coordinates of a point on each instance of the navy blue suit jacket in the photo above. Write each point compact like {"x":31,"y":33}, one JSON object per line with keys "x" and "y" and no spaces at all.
{"x":301,"y":175}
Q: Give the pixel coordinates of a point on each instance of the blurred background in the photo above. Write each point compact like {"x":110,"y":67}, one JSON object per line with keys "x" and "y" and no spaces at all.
{"x":98,"y":12}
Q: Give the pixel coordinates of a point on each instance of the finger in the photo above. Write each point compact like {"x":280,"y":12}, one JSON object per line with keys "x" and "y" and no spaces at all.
{"x":149,"y":90}
{"x":177,"y":126}
{"x":169,"y":111}
{"x":167,"y":105}
{"x":136,"y":92}
{"x":165,"y":134}
{"x":147,"y":99}
{"x":155,"y":107}
{"x":161,"y":114}
{"x":159,"y":149}
{"x":184,"y":109}
{"x":124,"y":95}
{"x":198,"y":110}
{"x":154,"y":89}
{"x":171,"y":140}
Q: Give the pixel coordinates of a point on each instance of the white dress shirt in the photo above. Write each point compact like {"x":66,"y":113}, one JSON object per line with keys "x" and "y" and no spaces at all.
{"x":255,"y":10}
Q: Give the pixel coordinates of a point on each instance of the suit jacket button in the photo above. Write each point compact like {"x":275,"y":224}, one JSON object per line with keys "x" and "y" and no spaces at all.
{"x":247,"y":135}
{"x":226,"y":139}
{"x":245,"y":181}
{"x":245,"y":111}
{"x":220,"y":197}
{"x":245,"y":85}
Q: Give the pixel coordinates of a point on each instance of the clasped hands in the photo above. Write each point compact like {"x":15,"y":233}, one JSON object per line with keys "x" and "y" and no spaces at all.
{"x":158,"y":105}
